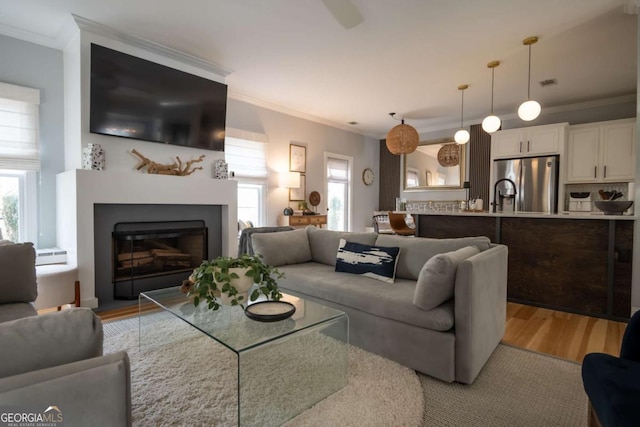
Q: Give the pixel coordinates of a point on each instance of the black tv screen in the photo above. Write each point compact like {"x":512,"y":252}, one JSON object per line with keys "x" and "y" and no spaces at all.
{"x":135,"y":98}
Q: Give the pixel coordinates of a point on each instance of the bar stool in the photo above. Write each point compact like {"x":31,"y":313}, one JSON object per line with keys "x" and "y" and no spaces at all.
{"x":399,"y":225}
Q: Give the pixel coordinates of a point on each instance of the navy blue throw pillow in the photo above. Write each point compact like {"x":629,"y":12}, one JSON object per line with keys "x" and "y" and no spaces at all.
{"x":376,"y":262}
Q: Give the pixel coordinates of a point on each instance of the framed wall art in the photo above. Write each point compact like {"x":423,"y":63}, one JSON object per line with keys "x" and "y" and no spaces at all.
{"x":297,"y":158}
{"x":299,"y":194}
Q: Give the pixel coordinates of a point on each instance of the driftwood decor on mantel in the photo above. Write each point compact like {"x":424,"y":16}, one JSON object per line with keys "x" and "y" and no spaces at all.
{"x":176,"y":168}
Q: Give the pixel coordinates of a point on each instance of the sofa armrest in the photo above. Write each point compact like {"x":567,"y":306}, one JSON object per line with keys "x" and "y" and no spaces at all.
{"x":53,"y":339}
{"x":480,"y":309}
{"x":95,"y":392}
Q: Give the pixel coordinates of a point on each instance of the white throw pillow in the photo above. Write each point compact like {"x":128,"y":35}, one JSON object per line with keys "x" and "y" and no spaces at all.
{"x":436,"y":282}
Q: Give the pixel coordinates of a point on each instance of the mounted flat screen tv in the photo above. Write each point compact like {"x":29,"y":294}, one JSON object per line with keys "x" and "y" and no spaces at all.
{"x":135,"y":98}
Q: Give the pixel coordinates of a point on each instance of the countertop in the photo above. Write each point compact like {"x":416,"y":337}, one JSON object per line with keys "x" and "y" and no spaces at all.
{"x":563,"y":215}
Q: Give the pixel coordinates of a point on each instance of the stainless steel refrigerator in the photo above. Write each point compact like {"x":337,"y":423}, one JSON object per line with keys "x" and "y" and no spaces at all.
{"x":536,"y":184}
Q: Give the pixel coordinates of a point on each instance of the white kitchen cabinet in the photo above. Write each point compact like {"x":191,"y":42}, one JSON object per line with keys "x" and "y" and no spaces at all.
{"x":618,"y":151}
{"x":528,"y":141}
{"x":583,"y":154}
{"x":601,"y":152}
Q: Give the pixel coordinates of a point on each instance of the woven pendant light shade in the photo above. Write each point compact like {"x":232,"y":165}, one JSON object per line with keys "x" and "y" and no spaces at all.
{"x":402,"y":139}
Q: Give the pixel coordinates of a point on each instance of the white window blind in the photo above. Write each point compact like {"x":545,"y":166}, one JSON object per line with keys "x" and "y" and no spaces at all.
{"x":246,"y":158}
{"x":412,"y":179}
{"x":19,"y":146}
{"x":337,"y":169}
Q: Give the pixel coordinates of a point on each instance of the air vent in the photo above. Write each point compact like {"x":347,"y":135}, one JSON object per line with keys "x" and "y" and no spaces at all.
{"x":548,"y":82}
{"x":50,"y":256}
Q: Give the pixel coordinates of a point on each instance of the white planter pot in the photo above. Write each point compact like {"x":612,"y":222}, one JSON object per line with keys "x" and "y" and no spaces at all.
{"x":243,"y":284}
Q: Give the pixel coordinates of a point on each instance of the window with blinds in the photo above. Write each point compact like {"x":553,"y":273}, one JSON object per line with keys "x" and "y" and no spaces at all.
{"x":337,"y":169}
{"x":246,"y":158}
{"x":245,"y":153}
{"x":338,"y":191}
{"x":19,"y":145}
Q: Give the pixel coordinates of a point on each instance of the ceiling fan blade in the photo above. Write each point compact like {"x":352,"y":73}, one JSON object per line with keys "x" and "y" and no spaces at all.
{"x":345,"y":12}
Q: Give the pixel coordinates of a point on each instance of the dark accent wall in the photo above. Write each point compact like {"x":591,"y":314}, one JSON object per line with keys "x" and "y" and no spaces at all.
{"x":389,"y":178}
{"x":479,"y":163}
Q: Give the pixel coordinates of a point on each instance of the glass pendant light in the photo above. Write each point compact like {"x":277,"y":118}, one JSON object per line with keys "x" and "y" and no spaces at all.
{"x":491,"y":123}
{"x":462,"y":136}
{"x":530,"y":109}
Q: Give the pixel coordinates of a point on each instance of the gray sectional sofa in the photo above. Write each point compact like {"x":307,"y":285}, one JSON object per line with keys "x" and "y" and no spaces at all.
{"x":443,"y":315}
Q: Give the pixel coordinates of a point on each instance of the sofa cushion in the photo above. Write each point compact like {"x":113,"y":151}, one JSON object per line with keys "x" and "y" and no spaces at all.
{"x":324,"y":243}
{"x":376,"y":262}
{"x":282,"y":248}
{"x":18,"y":278}
{"x":62,"y":337}
{"x":436,"y":282}
{"x":17,"y":310}
{"x":416,"y":251}
{"x":365,"y":294}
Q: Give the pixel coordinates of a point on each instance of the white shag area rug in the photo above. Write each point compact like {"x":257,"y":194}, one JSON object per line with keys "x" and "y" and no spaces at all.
{"x":193,"y":383}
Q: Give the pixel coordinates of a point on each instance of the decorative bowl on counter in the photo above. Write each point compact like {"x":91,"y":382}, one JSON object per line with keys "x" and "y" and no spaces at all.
{"x":613,"y":207}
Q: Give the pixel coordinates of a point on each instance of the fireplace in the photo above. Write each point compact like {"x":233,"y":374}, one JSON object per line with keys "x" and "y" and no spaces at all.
{"x":143,"y":251}
{"x":90,"y":203}
{"x":142,"y":247}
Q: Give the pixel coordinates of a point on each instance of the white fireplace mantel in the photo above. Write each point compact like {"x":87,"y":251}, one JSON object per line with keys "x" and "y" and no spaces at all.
{"x":78,"y":190}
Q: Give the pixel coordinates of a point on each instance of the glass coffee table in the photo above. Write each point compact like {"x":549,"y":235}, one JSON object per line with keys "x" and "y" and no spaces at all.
{"x":283,"y":367}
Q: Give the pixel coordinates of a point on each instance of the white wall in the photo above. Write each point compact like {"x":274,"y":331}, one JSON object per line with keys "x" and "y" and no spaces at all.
{"x":282,"y":130}
{"x":27,"y":64}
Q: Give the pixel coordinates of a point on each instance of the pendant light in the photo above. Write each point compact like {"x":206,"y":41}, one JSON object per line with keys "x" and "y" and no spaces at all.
{"x":402,"y":139}
{"x":492,"y":123}
{"x":530,"y":109}
{"x":462,"y":136}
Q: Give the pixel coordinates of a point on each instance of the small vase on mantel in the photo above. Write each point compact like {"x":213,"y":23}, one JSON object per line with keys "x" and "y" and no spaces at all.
{"x":93,"y":157}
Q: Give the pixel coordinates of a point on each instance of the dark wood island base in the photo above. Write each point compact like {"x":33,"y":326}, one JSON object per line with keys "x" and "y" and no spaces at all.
{"x":576,"y":265}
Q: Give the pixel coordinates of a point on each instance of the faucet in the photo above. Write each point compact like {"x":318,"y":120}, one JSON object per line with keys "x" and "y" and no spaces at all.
{"x":495,"y":191}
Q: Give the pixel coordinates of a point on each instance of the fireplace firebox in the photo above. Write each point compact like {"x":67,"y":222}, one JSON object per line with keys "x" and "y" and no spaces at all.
{"x":143,"y":251}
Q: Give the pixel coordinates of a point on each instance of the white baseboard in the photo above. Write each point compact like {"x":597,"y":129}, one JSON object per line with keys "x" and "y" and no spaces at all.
{"x":90,"y":302}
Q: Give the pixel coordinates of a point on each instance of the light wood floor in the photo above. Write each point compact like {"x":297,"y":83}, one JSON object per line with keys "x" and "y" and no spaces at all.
{"x":565,"y":335}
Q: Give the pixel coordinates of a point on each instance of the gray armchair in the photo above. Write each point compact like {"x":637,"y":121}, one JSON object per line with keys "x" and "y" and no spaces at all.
{"x":55,"y":360}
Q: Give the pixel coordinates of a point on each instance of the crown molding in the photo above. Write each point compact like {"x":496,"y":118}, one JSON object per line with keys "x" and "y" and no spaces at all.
{"x":112,"y":33}
{"x":295,"y":113}
{"x":29,"y":36}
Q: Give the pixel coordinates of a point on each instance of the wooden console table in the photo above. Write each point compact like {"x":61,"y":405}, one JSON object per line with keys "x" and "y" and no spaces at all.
{"x":303,"y":220}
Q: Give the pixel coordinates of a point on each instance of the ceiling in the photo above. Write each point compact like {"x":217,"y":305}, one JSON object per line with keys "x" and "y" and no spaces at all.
{"x":406,"y":56}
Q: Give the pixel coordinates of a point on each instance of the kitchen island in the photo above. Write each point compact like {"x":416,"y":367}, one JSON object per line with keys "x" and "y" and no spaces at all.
{"x":579,"y":263}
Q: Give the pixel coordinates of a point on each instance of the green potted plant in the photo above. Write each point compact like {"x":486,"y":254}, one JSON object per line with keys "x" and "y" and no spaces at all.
{"x":227,"y":280}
